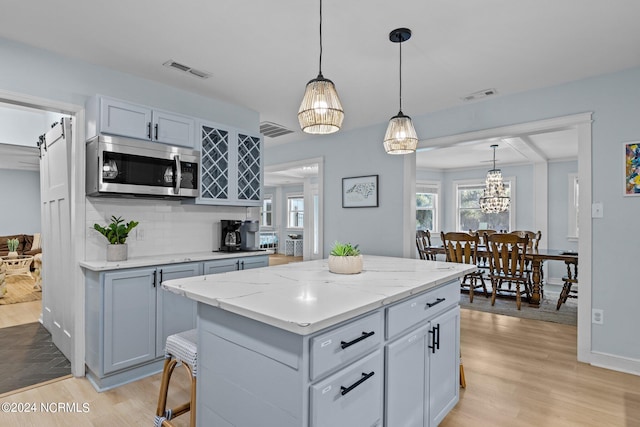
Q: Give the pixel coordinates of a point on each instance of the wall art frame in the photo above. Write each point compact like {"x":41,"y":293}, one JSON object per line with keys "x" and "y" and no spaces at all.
{"x":360,"y":192}
{"x":631,"y":171}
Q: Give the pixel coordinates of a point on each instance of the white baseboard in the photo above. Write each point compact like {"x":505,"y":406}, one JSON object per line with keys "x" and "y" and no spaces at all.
{"x":616,"y":363}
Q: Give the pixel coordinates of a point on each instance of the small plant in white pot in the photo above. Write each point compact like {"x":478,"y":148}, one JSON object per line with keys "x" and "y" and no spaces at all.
{"x":116,"y":233}
{"x":13,"y":244}
{"x":345,"y":259}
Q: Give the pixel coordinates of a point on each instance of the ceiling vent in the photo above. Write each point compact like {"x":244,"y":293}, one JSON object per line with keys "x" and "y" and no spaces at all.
{"x":479,"y":95}
{"x":273,"y":130}
{"x":186,"y":69}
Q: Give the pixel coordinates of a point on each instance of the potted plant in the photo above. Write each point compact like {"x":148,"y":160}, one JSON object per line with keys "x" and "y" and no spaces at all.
{"x":13,"y":244}
{"x":116,"y":233}
{"x":345,"y":259}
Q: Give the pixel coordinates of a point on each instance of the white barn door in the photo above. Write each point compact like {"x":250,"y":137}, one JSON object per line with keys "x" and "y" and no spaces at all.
{"x":57,"y":256}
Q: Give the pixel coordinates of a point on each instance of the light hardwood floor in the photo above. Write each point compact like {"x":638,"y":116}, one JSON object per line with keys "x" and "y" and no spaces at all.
{"x":18,"y":314}
{"x":519,"y":372}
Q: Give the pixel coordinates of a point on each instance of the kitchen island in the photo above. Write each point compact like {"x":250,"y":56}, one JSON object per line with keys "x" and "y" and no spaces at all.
{"x":296,"y":345}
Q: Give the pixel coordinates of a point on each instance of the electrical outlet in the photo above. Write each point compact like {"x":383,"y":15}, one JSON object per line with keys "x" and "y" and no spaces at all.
{"x":597,"y":316}
{"x":139,"y":233}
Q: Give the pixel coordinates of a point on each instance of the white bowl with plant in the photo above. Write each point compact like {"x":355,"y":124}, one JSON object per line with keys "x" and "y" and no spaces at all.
{"x":345,"y":258}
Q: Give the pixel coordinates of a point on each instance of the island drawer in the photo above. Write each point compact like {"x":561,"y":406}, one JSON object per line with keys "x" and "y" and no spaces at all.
{"x":350,"y":397}
{"x":344,"y":344}
{"x":421,"y":307}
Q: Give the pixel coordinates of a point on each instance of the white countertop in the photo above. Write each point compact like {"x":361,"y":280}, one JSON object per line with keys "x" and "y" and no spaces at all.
{"x":147,"y":261}
{"x":305,"y":297}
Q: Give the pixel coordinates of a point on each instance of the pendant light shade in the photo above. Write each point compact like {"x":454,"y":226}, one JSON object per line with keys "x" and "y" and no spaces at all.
{"x":401,"y":137}
{"x":320,"y":111}
{"x":494,"y":196}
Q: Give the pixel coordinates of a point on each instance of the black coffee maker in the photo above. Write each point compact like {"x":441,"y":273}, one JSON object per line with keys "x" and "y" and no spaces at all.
{"x":230,"y":239}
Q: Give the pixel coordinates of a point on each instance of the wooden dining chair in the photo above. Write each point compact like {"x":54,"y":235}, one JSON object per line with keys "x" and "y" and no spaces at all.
{"x":423,"y":243}
{"x":463,"y":248}
{"x":534,"y":241}
{"x":570,"y":281}
{"x":507,"y":263}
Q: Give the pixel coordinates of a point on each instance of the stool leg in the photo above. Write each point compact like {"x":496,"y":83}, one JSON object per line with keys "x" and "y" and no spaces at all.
{"x":167,"y":371}
{"x":192,"y":422}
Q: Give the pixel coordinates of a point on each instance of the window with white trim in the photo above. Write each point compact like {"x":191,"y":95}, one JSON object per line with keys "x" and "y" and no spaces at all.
{"x":295,"y":208}
{"x":266,"y":211}
{"x":427,"y":199}
{"x":469,"y":216}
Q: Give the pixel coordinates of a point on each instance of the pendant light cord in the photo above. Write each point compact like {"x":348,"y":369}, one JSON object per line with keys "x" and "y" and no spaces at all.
{"x":320,"y":64}
{"x":400,"y":75}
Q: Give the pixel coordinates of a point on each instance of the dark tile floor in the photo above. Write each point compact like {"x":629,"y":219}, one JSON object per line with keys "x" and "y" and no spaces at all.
{"x":28,"y":357}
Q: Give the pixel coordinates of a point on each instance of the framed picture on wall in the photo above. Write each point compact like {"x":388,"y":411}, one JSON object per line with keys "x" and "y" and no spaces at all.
{"x":632,"y":168}
{"x":360,"y":192}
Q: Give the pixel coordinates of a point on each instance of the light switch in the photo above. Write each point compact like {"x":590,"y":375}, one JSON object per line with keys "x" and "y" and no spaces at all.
{"x":597,"y":210}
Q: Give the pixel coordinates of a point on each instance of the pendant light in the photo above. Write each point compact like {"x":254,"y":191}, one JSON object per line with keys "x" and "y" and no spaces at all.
{"x":494,"y":197}
{"x":320,"y":111}
{"x":401,"y":137}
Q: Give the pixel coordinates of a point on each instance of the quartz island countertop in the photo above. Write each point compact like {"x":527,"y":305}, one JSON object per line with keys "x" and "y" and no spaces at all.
{"x":145,"y":261}
{"x":305,"y":297}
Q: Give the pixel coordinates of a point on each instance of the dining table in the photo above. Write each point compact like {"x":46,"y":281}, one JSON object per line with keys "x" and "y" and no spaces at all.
{"x":536,"y":256}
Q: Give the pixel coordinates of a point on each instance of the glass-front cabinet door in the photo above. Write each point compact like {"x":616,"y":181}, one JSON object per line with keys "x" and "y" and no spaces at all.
{"x":231,"y":166}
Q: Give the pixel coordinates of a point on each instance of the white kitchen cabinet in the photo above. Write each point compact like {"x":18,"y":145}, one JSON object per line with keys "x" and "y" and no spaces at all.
{"x":392,"y":366}
{"x":235,"y":264}
{"x":230,"y":166}
{"x":129,"y":317}
{"x":444,"y":365}
{"x":116,"y":117}
{"x":174,"y":313}
{"x":423,"y":364}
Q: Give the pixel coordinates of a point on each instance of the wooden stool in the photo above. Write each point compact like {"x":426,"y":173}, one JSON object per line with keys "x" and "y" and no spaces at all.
{"x":181,"y":347}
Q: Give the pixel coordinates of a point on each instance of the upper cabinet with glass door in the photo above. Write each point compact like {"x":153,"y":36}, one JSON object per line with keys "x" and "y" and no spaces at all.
{"x":111,"y":116}
{"x":231,"y":166}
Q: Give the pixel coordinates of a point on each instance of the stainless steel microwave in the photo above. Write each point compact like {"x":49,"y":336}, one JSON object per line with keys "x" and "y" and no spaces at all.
{"x":129,"y":167}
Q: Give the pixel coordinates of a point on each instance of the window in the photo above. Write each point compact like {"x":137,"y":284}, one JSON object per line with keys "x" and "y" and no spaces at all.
{"x":266,"y":211}
{"x":469,"y":215}
{"x":427,"y":206}
{"x":296,"y":211}
{"x":573,"y":206}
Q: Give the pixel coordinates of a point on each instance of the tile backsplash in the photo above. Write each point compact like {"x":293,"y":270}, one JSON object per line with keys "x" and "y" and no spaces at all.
{"x":166,"y":226}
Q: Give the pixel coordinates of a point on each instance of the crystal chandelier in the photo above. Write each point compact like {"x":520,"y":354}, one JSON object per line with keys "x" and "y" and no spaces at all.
{"x":494,"y":196}
{"x":320,"y":111}
{"x":401,"y":137}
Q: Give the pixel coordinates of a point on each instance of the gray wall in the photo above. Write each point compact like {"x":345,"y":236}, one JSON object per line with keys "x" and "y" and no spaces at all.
{"x":379,"y":230}
{"x":614,"y":100}
{"x":20,"y":205}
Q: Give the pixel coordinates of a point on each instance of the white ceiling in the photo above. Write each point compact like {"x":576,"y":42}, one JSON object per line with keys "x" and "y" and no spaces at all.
{"x":262,"y":53}
{"x":515,"y":150}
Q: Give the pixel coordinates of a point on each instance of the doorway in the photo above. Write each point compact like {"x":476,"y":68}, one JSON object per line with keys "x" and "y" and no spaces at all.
{"x":13,"y":105}
{"x":295,"y":191}
{"x":580,"y":124}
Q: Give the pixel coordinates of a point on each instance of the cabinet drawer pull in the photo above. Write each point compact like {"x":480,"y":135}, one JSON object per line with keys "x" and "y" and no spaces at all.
{"x":438,"y":301}
{"x":345,"y":390}
{"x":156,"y":128}
{"x":364,"y":335}
{"x":149,"y":130}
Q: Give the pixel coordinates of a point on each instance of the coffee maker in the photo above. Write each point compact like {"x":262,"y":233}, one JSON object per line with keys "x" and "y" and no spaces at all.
{"x":230,"y":239}
{"x":248,"y":233}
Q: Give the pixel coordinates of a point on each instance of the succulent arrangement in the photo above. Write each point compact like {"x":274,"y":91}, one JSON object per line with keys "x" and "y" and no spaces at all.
{"x":117,"y":231}
{"x":13,"y":244}
{"x":344,"y":249}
